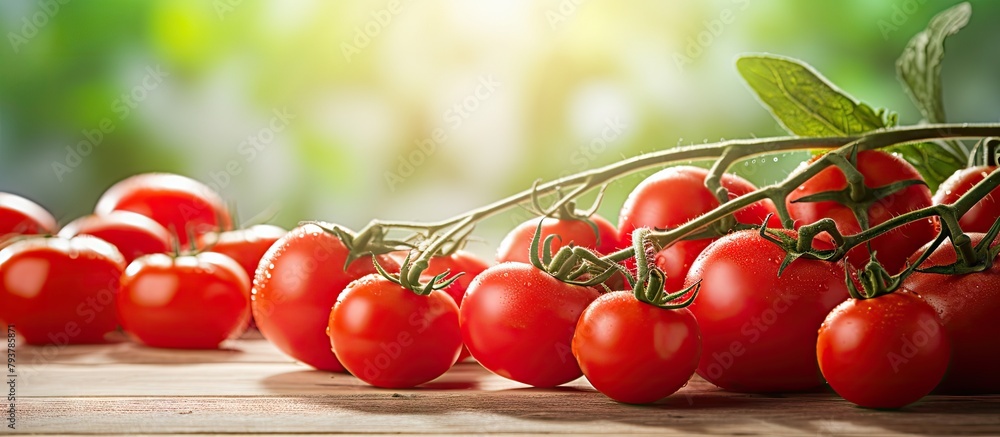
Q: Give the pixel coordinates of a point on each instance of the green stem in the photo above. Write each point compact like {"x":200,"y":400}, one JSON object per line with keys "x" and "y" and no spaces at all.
{"x":778,"y":192}
{"x":591,"y":179}
{"x":726,"y":152}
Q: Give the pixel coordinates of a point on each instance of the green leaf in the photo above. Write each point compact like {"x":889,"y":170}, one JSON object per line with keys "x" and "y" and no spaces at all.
{"x":934,"y":162}
{"x":919,"y":67}
{"x":803,"y":101}
{"x":919,"y":70}
{"x":807,"y":104}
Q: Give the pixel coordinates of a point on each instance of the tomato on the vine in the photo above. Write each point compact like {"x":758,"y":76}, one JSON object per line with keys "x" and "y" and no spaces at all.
{"x":391,"y":337}
{"x":134,"y":235}
{"x":59,"y":290}
{"x":885,"y":352}
{"x":674,"y":196}
{"x":179,"y":203}
{"x":296,"y":285}
{"x":518,"y":322}
{"x":188,"y":302}
{"x":20,"y":216}
{"x":968,"y":305}
{"x":635,"y":352}
{"x":463,"y":262}
{"x":758,"y":329}
{"x":514,"y":246}
{"x":981,"y":216}
{"x":879,"y":170}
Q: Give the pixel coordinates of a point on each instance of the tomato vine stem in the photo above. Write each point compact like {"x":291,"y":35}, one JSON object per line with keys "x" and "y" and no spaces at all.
{"x":436,"y":234}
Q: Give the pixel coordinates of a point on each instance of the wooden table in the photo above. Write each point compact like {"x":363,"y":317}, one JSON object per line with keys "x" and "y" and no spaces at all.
{"x":252,"y":388}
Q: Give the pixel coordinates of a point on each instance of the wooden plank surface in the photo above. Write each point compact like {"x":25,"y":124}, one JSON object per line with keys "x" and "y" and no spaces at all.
{"x":251,"y":388}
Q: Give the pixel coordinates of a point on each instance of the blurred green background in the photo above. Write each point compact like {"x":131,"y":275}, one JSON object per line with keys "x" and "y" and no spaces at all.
{"x":347,"y":111}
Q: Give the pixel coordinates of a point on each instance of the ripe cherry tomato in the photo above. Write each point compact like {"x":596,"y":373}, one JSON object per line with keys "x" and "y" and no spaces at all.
{"x":189,"y":302}
{"x":60,"y":291}
{"x":518,"y":322}
{"x":391,"y":337}
{"x":758,"y":329}
{"x":134,"y":235}
{"x":879,"y":169}
{"x":245,"y":246}
{"x":458,"y":262}
{"x":886,"y":352}
{"x":20,"y":216}
{"x":674,"y":196}
{"x":296,"y":285}
{"x":968,"y":305}
{"x":634,"y":352}
{"x":981,"y":216}
{"x":514,"y":246}
{"x":179,"y":203}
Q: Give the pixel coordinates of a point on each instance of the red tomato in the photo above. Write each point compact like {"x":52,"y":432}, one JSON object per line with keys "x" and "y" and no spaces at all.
{"x":391,"y":337}
{"x":673,"y":197}
{"x":245,"y":246}
{"x":634,"y":352}
{"x":134,"y":235}
{"x":296,"y":285}
{"x":886,"y":352}
{"x":758,"y":330}
{"x":458,"y":262}
{"x":879,"y":169}
{"x":60,"y":291}
{"x":514,"y":246}
{"x":968,"y":305}
{"x":189,"y":302}
{"x":518,"y":322}
{"x":981,"y":216}
{"x":20,"y":216}
{"x":179,"y":203}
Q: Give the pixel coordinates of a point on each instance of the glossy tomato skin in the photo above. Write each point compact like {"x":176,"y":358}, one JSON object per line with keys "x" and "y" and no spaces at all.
{"x":295,"y":286}
{"x":518,"y":322}
{"x":758,"y":330}
{"x":60,"y":291}
{"x":178,"y":203}
{"x":674,"y":196}
{"x":134,"y":235}
{"x":981,"y":216}
{"x":20,"y":216}
{"x":968,"y":305}
{"x":879,"y":169}
{"x":390,"y":337}
{"x":886,"y":352}
{"x":634,"y":352}
{"x":515,"y":244}
{"x":245,"y":246}
{"x":458,"y":262}
{"x":184,"y":302}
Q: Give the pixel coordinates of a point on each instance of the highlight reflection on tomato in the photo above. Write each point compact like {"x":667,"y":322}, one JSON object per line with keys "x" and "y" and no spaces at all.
{"x":59,"y":290}
{"x":189,"y":302}
{"x":133,"y":234}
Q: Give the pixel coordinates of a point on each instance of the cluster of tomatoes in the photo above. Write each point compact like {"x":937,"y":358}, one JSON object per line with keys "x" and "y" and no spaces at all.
{"x":757,"y":323}
{"x":124,"y":266}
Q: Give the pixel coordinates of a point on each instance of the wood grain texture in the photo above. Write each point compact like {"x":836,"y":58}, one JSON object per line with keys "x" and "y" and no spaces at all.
{"x":251,"y":388}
